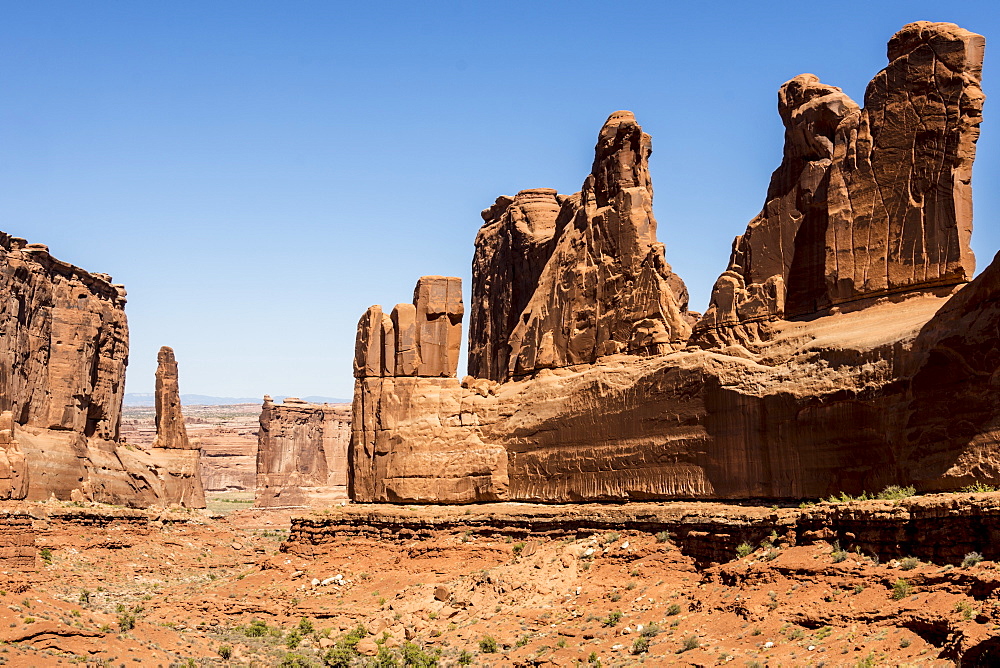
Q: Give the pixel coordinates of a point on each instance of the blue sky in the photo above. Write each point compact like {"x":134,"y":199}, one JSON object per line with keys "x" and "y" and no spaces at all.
{"x":259,"y":173}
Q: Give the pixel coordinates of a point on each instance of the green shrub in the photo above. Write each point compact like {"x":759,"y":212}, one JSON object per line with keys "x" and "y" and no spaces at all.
{"x":612,"y":619}
{"x":663,"y":537}
{"x":691,"y":642}
{"x":256,"y":629}
{"x":465,"y":658}
{"x":126,"y":621}
{"x":226,"y":652}
{"x":966,"y":610}
{"x":306,"y":626}
{"x":651,"y":630}
{"x":641,"y":645}
{"x":488,"y":645}
{"x":901,"y":589}
{"x":609,"y":538}
{"x":384,"y":659}
{"x":673,"y":609}
{"x":593,"y":660}
{"x":46,"y":554}
{"x":971,"y":559}
{"x":894,"y":492}
{"x":293,"y":639}
{"x":744,"y":549}
{"x":517,"y":548}
{"x":414,"y":656}
{"x":909,"y":563}
{"x":295,"y":661}
{"x":978,"y":488}
{"x":85,"y":597}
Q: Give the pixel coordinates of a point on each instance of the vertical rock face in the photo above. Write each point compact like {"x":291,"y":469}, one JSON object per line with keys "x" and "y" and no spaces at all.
{"x":170,"y":430}
{"x":63,"y":351}
{"x":302,"y":453}
{"x":867,"y":202}
{"x":554,"y":287}
{"x":410,"y":436}
{"x":512,"y":247}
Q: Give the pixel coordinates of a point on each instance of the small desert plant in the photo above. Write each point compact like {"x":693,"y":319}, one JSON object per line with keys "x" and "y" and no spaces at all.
{"x":837,"y":553}
{"x":978,"y":488}
{"x":691,"y":642}
{"x":516,"y":549}
{"x":901,"y":589}
{"x":909,"y":563}
{"x":612,"y":619}
{"x":895,"y":492}
{"x":867,"y":662}
{"x":416,"y":657}
{"x":641,"y":645}
{"x":488,"y":645}
{"x":256,"y":629}
{"x":126,"y":621}
{"x":965,"y":609}
{"x":293,"y":639}
{"x":225,"y":651}
{"x":971,"y":559}
{"x":673,"y":609}
{"x":651,"y":630}
{"x":743,"y":549}
{"x":663,"y":537}
{"x":85,"y":596}
{"x":46,"y":554}
{"x":616,"y":597}
{"x":465,"y":658}
{"x":904,"y":643}
{"x":593,"y":660}
{"x":523,"y":640}
{"x":609,"y":538}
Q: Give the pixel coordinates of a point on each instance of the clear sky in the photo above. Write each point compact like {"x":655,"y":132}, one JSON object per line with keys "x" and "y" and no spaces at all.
{"x":259,"y":173}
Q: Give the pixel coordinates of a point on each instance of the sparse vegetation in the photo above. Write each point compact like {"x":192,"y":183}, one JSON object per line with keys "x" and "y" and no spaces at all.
{"x":673,"y":609}
{"x":46,"y":555}
{"x":612,"y":619}
{"x":226,"y":652}
{"x":488,"y":645}
{"x":966,"y":609}
{"x":909,"y":563}
{"x":895,"y":492}
{"x":690,"y":642}
{"x":640,"y":645}
{"x":743,"y":549}
{"x":971,"y":559}
{"x":516,"y":549}
{"x":663,"y":537}
{"x":978,"y":488}
{"x":901,"y":589}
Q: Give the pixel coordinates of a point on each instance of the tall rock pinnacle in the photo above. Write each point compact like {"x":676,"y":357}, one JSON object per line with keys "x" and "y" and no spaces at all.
{"x":170,"y":430}
{"x":563,"y":280}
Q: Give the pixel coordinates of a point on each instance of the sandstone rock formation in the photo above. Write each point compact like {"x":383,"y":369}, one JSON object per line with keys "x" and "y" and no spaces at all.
{"x":170,"y":431}
{"x":581,"y":389}
{"x":408,"y":437}
{"x":867,"y":202}
{"x":302,"y":453}
{"x":559,"y":281}
{"x":63,"y":351}
{"x":178,"y":460}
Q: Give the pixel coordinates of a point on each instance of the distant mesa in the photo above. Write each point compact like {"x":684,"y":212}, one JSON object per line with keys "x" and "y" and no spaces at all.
{"x":140,"y":399}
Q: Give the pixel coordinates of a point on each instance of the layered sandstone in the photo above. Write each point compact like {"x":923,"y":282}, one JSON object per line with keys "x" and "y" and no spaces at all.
{"x":866,"y":202}
{"x":63,"y":351}
{"x":409,"y":436}
{"x":559,"y":281}
{"x":302,"y":453}
{"x":785,"y":397}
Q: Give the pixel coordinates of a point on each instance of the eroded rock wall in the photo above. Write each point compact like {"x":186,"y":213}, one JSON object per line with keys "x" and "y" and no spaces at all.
{"x":559,"y":281}
{"x":867,"y":201}
{"x":63,"y":352}
{"x":302,"y":453}
{"x":822,"y":367}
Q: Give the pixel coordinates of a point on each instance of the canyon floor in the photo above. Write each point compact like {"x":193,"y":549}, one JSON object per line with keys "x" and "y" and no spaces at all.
{"x":118,"y":587}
